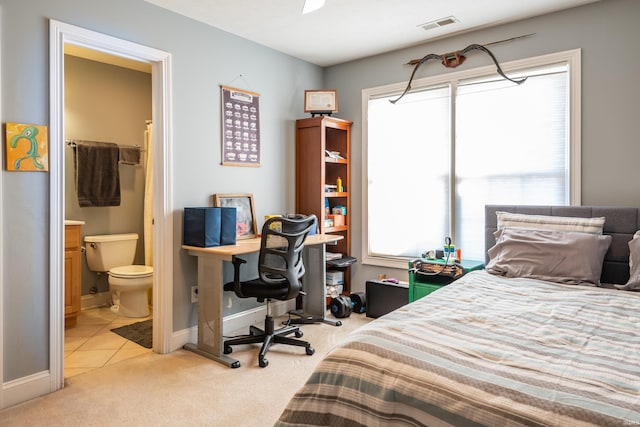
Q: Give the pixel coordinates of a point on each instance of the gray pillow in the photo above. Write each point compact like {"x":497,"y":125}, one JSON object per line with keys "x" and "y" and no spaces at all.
{"x":567,"y":257}
{"x":633,"y":284}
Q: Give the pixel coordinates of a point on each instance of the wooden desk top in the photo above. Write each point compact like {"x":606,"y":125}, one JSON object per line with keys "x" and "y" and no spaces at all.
{"x":247,"y":246}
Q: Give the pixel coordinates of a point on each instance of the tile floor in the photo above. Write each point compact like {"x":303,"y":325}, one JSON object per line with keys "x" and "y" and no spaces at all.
{"x":91,"y":344}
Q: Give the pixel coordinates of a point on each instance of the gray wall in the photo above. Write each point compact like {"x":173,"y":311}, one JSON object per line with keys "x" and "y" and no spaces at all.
{"x":606,"y":31}
{"x":107,"y":103}
{"x":202,"y":59}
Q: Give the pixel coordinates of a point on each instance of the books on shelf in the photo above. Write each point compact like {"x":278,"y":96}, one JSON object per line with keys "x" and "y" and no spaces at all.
{"x":344,"y":261}
{"x":332,"y":255}
{"x":333,"y":154}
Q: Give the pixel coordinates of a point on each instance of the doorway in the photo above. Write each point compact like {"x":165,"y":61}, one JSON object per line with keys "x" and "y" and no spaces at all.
{"x":62,"y":35}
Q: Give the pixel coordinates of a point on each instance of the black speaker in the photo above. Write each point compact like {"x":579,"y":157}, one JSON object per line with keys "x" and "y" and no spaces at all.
{"x":341,"y":306}
{"x":383,"y":297}
{"x":358,"y":302}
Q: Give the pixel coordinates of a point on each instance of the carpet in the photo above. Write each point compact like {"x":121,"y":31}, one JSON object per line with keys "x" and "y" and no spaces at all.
{"x":139,"y":333}
{"x":177,"y":388}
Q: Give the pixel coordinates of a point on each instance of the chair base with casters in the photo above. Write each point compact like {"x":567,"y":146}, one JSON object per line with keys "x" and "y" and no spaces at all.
{"x":280,"y":269}
{"x":309,"y":319}
{"x":268,"y":336}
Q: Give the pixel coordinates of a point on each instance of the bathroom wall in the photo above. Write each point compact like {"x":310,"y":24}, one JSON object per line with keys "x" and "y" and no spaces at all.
{"x":106,"y":103}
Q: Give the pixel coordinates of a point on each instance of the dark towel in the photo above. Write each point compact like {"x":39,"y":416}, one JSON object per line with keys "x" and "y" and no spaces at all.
{"x":97,"y":175}
{"x":130,"y":155}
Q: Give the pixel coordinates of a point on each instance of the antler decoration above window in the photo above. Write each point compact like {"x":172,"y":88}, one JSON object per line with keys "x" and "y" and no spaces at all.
{"x":453,"y":59}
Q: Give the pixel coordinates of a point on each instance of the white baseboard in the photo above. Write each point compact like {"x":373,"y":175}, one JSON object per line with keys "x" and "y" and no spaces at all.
{"x":32,"y":386}
{"x":233,"y":322}
{"x":25,"y":388}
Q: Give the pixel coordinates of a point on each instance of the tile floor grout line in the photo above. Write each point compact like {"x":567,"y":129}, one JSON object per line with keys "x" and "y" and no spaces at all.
{"x":101,"y":321}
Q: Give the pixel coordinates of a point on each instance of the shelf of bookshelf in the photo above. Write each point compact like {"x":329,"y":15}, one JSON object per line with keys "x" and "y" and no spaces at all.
{"x":322,"y":159}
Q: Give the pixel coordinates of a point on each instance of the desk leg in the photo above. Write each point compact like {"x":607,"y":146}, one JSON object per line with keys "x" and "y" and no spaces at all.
{"x":314,"y":302}
{"x":210,"y":340}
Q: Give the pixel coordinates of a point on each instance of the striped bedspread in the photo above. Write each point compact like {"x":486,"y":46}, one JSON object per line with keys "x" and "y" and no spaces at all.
{"x":485,"y":351}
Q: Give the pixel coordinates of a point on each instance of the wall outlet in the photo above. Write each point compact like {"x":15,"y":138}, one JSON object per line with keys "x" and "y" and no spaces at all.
{"x":194,"y":294}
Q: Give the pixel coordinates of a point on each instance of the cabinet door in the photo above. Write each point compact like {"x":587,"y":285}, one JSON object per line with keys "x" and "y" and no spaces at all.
{"x":72,"y":282}
{"x":420,"y":290}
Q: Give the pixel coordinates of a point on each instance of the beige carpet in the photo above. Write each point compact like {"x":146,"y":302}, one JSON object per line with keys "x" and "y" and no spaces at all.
{"x":183,"y":388}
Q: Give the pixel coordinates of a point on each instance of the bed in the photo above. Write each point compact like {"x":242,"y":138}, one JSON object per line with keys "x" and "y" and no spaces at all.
{"x":495,"y":350}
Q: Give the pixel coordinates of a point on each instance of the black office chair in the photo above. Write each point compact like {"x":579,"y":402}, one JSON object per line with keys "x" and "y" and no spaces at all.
{"x":280,"y":269}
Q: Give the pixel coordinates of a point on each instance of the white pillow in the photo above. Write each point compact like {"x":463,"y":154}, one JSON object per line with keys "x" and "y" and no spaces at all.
{"x":552,"y":223}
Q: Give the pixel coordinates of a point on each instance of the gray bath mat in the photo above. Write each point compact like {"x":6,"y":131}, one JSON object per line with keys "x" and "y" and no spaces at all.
{"x":139,"y":333}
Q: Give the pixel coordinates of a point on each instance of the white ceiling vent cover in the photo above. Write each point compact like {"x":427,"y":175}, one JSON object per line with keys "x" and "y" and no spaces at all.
{"x":438,"y":23}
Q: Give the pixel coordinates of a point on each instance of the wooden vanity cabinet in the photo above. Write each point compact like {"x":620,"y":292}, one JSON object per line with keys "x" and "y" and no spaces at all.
{"x":72,"y":274}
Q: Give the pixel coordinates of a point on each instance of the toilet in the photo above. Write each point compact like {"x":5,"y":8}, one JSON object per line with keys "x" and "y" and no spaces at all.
{"x":114,"y":253}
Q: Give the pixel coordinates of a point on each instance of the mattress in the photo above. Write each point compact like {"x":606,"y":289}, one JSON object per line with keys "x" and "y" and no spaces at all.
{"x":485,"y":351}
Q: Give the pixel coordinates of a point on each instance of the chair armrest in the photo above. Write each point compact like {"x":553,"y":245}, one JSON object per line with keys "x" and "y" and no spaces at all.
{"x":237,"y":288}
{"x":237,"y":261}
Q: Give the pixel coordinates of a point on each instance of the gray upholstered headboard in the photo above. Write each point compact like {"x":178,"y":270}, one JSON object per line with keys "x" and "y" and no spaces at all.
{"x":620,"y":223}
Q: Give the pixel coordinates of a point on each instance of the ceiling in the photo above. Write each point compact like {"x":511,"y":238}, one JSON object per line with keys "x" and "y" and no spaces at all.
{"x":344,"y":30}
{"x":106,"y":58}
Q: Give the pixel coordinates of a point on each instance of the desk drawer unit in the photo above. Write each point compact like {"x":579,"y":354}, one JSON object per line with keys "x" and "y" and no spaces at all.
{"x":421,"y":285}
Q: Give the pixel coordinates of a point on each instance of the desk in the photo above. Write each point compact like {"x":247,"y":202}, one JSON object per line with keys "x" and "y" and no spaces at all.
{"x":211,"y":281}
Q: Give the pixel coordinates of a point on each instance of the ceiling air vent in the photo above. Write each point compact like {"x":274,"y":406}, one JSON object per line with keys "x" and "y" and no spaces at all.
{"x":438,"y":23}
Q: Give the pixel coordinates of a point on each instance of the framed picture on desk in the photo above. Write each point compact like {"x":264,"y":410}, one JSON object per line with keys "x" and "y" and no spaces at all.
{"x":246,"y":226}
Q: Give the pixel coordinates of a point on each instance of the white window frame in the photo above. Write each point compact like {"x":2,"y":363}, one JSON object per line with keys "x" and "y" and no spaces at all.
{"x":572,"y":58}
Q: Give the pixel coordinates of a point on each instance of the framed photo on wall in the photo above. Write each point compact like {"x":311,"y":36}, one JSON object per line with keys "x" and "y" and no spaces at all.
{"x":321,"y":101}
{"x":246,"y":226}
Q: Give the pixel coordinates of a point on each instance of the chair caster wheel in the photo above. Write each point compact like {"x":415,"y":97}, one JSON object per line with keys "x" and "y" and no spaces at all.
{"x":299,"y":334}
{"x":227,"y":349}
{"x":235,"y":364}
{"x":310,"y":350}
{"x":263,"y":363}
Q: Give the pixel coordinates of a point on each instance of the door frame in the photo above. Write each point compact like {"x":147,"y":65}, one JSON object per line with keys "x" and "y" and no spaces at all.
{"x":60,"y":34}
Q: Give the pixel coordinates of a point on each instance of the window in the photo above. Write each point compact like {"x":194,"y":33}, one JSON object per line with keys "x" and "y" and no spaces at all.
{"x":458,"y":142}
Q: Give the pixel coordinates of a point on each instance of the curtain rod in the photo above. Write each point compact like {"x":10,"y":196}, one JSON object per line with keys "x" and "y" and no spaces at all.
{"x":72,"y":143}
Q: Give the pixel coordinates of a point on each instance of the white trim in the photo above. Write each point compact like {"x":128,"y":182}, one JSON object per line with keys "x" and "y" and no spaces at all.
{"x":234,"y":322}
{"x":26,"y":388}
{"x":56,"y":209}
{"x":60,"y":34}
{"x":570,"y":57}
{"x":575,"y":126}
{"x":2,"y":159}
{"x":162,"y":205}
{"x":255,"y":316}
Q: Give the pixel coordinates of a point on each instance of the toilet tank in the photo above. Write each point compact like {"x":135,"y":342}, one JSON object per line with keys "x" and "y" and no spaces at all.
{"x":107,"y":251}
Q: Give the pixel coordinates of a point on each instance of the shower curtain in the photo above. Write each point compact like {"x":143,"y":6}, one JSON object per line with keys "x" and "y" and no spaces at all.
{"x":148,"y":196}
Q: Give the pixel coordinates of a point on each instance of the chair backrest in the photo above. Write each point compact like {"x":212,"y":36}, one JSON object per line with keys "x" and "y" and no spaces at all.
{"x":281,"y":250}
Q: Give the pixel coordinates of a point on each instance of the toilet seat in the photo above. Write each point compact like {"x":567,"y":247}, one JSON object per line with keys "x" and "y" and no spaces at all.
{"x":131,"y":271}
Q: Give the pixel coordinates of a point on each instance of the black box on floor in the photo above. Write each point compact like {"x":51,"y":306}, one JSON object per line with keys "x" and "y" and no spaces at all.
{"x":384,"y":297}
